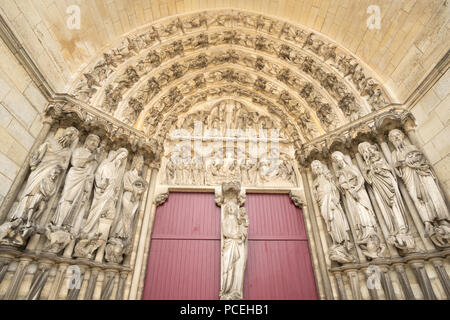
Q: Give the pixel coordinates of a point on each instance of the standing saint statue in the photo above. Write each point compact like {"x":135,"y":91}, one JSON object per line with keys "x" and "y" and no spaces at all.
{"x":121,"y":232}
{"x":358,"y":204}
{"x":411,"y":165}
{"x":382,"y":178}
{"x":328,"y":198}
{"x":234,"y":242}
{"x":47,"y":164}
{"x":78,"y":183}
{"x":107,"y":186}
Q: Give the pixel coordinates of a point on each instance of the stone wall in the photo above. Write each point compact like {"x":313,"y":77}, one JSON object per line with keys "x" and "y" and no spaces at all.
{"x":21,"y":103}
{"x":432,"y":114}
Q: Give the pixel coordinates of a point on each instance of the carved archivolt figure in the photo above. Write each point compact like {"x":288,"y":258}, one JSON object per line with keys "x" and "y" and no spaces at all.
{"x":107,"y":183}
{"x":358,"y":204}
{"x":384,"y":183}
{"x":234,"y":243}
{"x":328,"y":198}
{"x":411,"y":165}
{"x":46,"y":164}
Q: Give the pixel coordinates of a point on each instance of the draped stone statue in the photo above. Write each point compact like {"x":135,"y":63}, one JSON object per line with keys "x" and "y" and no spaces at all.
{"x":328,"y":198}
{"x":358,"y":204}
{"x":413,"y":168}
{"x":384,"y":183}
{"x":107,"y":182}
{"x":234,"y":241}
{"x":133,"y":188}
{"x":47,"y":164}
{"x":78,"y":183}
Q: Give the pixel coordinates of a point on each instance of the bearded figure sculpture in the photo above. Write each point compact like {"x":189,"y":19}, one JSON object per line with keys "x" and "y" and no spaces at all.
{"x":47,"y":164}
{"x":382,"y":178}
{"x":328,"y":198}
{"x":351,"y":182}
{"x":414,"y":169}
{"x":133,"y":188}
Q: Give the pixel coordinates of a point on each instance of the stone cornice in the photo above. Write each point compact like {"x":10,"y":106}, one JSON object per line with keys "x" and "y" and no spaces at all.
{"x":367,"y":127}
{"x":61,"y":106}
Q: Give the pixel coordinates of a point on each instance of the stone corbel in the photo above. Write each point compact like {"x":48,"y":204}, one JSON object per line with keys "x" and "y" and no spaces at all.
{"x":298,"y":197}
{"x":161,"y":196}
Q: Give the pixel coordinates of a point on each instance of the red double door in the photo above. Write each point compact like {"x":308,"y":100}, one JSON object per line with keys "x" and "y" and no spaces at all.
{"x":184,"y":258}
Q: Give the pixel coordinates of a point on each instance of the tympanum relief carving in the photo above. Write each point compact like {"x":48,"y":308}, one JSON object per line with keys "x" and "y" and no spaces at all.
{"x":229,"y":141}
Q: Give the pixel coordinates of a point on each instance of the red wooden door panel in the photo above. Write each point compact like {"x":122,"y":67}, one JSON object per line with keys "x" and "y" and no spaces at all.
{"x":279,"y":263}
{"x":184,"y":258}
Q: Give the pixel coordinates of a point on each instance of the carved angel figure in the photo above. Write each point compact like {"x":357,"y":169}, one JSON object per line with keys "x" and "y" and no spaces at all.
{"x":384,"y":183}
{"x":411,"y":165}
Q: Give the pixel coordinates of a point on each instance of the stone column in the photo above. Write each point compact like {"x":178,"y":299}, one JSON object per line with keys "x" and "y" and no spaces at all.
{"x":352,"y":275}
{"x":404,"y":281}
{"x":320,"y":254}
{"x":442,"y":275}
{"x":144,"y":236}
{"x":340,"y":285}
{"x":91,"y":284}
{"x":23,"y":171}
{"x":422,"y":277}
{"x":372,"y":291}
{"x":386,"y":283}
{"x":108,"y":284}
{"x":298,"y":202}
{"x":16,"y":281}
{"x":121,"y":285}
{"x":57,"y":281}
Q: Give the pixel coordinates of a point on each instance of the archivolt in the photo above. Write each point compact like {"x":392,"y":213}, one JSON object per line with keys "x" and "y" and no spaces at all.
{"x":131,"y":75}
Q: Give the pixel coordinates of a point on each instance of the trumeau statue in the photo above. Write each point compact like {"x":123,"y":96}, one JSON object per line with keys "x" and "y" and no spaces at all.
{"x":384,"y":183}
{"x":107,"y":186}
{"x":47,"y":164}
{"x":328,"y":198}
{"x":234,"y":241}
{"x":121,"y":232}
{"x":358,"y":204}
{"x":411,"y":165}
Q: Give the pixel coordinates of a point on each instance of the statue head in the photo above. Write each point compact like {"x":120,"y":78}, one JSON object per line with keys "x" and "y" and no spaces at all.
{"x":119,"y":156}
{"x":338,"y":158}
{"x":364,"y":149}
{"x":68,"y":136}
{"x":397,"y":137}
{"x":55,"y":172}
{"x":317,"y":167}
{"x":92,"y":142}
